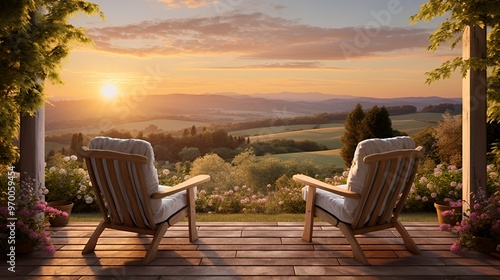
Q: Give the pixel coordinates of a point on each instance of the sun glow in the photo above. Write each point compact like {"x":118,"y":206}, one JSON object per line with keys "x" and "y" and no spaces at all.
{"x":109,"y":91}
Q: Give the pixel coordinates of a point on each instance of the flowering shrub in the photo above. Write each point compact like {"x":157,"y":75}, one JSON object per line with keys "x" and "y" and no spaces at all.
{"x":442,"y":183}
{"x":65,"y":179}
{"x":235,"y":200}
{"x":171,"y":178}
{"x":31,"y":213}
{"x":483,"y":220}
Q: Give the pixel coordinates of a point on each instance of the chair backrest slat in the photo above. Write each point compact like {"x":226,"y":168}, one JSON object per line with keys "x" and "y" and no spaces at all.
{"x":119,"y":194}
{"x":388,"y":182}
{"x":118,"y":181}
{"x":97,"y":171}
{"x":135,"y":208}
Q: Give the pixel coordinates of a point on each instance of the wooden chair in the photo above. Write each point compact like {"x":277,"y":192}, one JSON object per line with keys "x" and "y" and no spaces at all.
{"x":378,"y":185}
{"x":126,"y":187}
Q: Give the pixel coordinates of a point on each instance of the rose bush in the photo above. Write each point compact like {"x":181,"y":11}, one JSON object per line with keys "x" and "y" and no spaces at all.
{"x":66,"y":179}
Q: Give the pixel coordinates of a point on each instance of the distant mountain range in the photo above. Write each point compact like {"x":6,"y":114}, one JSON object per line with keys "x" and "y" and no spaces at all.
{"x":221,"y":107}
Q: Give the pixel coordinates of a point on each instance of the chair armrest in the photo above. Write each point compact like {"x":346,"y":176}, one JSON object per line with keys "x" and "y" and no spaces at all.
{"x":324,"y":186}
{"x":190,"y":183}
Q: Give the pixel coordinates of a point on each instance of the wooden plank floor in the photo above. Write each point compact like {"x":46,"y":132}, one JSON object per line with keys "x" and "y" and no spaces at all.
{"x":253,"y":251}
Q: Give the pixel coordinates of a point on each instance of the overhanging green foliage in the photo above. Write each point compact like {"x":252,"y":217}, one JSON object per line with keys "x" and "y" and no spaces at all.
{"x":35,"y":36}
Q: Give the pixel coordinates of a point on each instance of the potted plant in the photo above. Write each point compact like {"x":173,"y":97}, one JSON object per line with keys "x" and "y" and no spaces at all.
{"x":440,"y":188}
{"x":480,"y":228}
{"x":68,"y":185}
{"x":22,"y":225}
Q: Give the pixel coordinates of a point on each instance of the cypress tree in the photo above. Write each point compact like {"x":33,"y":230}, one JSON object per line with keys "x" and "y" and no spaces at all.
{"x":377,"y":123}
{"x":352,"y":134}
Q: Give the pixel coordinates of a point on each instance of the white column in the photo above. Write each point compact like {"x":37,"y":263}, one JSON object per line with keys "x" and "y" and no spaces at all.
{"x":32,"y":146}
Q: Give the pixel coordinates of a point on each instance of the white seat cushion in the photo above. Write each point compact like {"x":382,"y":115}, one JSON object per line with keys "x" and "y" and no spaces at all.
{"x":172,"y":203}
{"x":330,"y":202}
{"x":162,"y":208}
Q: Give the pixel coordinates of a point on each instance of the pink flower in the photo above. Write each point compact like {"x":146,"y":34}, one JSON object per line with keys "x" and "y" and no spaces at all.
{"x":448,"y":213}
{"x":445,"y":227}
{"x":457,"y":249}
{"x":48,"y":249}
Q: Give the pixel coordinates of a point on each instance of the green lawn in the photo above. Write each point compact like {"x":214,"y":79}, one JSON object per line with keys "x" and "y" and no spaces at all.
{"x":409,"y":217}
{"x":322,"y":158}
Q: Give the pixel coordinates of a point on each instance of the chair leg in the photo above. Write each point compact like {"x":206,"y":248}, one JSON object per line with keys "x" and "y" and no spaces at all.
{"x":153,"y":247}
{"x":93,"y":239}
{"x":358,"y":253}
{"x":409,"y":243}
{"x":193,"y":233}
{"x":308,"y":226}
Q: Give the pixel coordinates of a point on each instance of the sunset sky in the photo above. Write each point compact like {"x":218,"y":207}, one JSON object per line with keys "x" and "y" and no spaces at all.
{"x":343,"y":47}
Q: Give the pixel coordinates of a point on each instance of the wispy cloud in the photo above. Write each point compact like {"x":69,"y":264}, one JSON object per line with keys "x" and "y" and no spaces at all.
{"x":253,"y":36}
{"x":309,"y":65}
{"x":188,"y":3}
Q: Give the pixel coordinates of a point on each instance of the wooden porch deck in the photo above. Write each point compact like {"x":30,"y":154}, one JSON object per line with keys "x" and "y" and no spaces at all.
{"x":253,"y":251}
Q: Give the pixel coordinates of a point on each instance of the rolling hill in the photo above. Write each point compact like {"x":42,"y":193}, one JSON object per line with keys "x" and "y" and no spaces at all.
{"x":92,"y":113}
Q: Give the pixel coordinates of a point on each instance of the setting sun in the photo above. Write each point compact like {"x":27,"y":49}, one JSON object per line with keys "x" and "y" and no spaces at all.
{"x":109,"y":91}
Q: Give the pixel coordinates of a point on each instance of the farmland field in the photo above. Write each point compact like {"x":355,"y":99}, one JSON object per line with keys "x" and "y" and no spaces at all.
{"x":164,"y":124}
{"x":322,"y":158}
{"x":325,"y":134}
{"x":330,"y":134}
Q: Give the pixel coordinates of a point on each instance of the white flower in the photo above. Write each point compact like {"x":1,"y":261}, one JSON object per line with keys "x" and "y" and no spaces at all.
{"x":83,"y":188}
{"x":63,"y":171}
{"x":88,"y":199}
{"x":73,"y":157}
{"x":166,"y":172}
{"x":423,"y":180}
{"x":52,"y":169}
{"x":66,"y":158}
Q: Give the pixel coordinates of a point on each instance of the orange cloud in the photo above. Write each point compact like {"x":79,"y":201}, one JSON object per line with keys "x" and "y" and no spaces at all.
{"x":254,"y":36}
{"x":187,"y":3}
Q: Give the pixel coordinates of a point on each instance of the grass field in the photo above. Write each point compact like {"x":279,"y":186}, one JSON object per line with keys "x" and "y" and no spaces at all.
{"x":322,"y":158}
{"x":409,"y":217}
{"x":330,"y":134}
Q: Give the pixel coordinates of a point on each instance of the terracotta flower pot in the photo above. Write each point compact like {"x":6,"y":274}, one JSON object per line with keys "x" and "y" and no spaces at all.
{"x":442,"y":206}
{"x":485,"y":244}
{"x":61,"y":205}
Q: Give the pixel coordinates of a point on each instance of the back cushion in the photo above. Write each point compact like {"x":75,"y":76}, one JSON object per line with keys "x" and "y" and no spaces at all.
{"x":359,"y":170}
{"x":138,"y":147}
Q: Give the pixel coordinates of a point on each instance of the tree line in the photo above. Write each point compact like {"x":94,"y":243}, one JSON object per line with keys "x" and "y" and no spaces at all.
{"x":320,"y":118}
{"x":191,"y":144}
